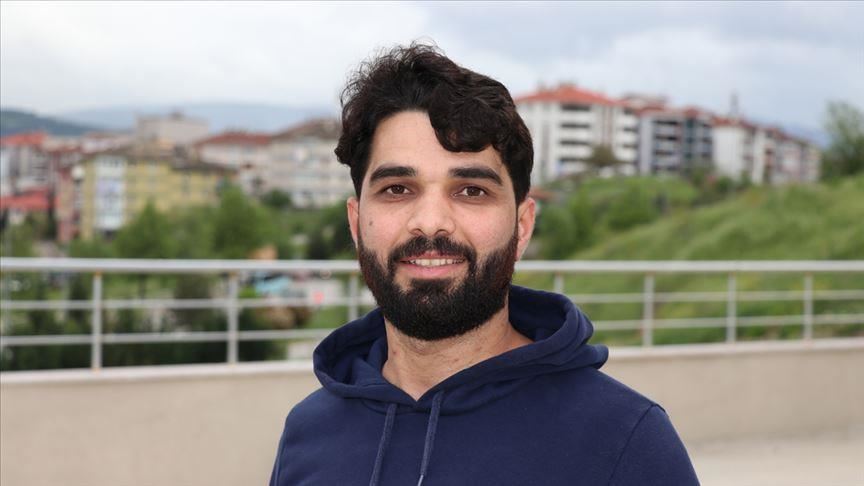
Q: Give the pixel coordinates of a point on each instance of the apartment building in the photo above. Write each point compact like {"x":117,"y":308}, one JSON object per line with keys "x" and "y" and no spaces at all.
{"x":24,"y":165}
{"x":763,"y":155}
{"x":246,"y":153}
{"x":175,"y":129}
{"x":111,"y":188}
{"x":674,"y":140}
{"x":796,"y":160}
{"x":302,"y":163}
{"x":566,"y":122}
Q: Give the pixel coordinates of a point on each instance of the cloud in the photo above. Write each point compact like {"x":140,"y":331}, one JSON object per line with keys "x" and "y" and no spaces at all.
{"x":64,"y":56}
{"x":784,"y":59}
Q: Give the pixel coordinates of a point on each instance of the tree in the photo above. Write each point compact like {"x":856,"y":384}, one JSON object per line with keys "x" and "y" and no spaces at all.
{"x":18,"y":241}
{"x":193,"y":232}
{"x":276,"y":199}
{"x":845,"y":153}
{"x":602,"y":157}
{"x":240,"y":227}
{"x":633,"y":208}
{"x":568,"y":229}
{"x":331,"y":237}
{"x":147,"y":236}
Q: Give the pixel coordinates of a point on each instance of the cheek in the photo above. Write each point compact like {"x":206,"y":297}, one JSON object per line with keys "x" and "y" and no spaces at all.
{"x":378,"y":232}
{"x":491,"y":231}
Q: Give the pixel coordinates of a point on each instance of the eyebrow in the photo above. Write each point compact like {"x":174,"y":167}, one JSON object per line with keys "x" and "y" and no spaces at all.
{"x":476,"y":173}
{"x":457,"y":172}
{"x":392,"y":171}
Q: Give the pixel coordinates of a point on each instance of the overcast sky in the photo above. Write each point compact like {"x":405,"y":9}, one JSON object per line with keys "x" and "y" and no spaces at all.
{"x":785,"y":60}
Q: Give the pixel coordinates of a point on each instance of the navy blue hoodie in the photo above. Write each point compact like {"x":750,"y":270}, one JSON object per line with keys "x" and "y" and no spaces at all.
{"x":542,"y":414}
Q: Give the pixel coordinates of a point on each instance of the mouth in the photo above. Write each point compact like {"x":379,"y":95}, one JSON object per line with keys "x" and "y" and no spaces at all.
{"x":431,"y":264}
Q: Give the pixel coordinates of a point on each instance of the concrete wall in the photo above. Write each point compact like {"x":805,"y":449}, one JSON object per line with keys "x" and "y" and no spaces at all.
{"x":219,"y":425}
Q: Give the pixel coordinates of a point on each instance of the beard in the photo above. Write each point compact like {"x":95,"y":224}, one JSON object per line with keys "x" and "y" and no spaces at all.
{"x":436,"y":309}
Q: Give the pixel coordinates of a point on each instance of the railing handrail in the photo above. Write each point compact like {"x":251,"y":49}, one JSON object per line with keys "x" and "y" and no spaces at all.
{"x":235,"y":270}
{"x":123,"y":265}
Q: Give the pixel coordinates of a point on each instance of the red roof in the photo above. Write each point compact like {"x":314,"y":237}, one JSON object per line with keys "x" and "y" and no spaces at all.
{"x":322,"y":128}
{"x":568,"y":93}
{"x":35,"y":200}
{"x":23,"y":139}
{"x":236,"y":138}
{"x":687,"y":111}
{"x":722,"y":121}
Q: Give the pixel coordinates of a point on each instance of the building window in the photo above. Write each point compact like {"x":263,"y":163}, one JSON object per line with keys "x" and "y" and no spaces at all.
{"x":575,"y":107}
{"x":578,"y":143}
{"x":584,"y":126}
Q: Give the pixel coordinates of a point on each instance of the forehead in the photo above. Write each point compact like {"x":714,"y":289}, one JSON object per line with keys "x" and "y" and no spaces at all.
{"x":408,"y":139}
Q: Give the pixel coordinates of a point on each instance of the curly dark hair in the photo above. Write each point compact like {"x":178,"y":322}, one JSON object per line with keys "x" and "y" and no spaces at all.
{"x":469,"y":111}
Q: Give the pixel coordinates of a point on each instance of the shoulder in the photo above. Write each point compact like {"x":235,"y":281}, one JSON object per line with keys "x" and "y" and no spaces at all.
{"x":592,"y":391}
{"x":318,"y":405}
{"x":649,"y":450}
{"x":654,"y":455}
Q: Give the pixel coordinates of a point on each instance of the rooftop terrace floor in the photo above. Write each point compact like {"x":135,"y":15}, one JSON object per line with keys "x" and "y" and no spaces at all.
{"x":829,"y":459}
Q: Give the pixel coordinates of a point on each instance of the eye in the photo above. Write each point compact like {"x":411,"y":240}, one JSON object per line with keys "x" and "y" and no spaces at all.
{"x":395,"y":190}
{"x":472,"y":191}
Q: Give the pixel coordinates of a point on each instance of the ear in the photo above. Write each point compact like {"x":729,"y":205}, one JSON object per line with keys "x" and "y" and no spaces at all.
{"x":353,"y":206}
{"x":525,"y":215}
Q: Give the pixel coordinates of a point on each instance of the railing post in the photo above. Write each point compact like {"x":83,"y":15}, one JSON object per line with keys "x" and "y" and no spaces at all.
{"x":96,"y":324}
{"x":648,"y":310}
{"x":558,"y":283}
{"x":353,"y":297}
{"x":731,"y":309}
{"x":232,"y":311}
{"x":808,"y":306}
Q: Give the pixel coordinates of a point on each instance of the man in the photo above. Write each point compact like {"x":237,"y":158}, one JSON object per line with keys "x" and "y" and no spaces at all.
{"x":459,"y":377}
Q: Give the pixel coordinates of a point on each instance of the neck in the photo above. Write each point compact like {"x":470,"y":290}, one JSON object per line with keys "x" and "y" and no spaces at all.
{"x":415,"y":365}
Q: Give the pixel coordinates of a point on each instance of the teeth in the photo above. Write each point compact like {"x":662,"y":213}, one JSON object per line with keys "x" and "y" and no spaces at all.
{"x":434,"y":262}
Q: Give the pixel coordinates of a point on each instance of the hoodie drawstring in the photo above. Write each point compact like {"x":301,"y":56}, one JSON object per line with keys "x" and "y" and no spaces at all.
{"x":430,"y":435}
{"x":382,"y":446}
{"x":431,"y":428}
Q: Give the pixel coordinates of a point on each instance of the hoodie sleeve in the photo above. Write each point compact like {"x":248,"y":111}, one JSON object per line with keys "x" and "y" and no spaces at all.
{"x":654,"y":455}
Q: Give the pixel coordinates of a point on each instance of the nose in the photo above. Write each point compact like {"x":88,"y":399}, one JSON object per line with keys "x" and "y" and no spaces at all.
{"x":431,"y":216}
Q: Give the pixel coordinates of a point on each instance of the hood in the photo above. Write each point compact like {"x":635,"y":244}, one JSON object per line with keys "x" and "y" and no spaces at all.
{"x":348,"y":362}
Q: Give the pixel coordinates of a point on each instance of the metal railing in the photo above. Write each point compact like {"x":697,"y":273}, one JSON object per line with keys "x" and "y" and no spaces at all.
{"x":234,"y":269}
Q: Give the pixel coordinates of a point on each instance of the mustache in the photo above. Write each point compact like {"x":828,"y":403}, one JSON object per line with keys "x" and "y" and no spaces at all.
{"x":441,"y":244}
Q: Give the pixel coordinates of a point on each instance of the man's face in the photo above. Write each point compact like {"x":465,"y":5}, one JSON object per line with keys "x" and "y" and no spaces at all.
{"x":437,"y":231}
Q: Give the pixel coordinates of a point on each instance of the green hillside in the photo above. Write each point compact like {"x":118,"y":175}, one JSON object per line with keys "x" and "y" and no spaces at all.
{"x":17,"y":121}
{"x":814,"y":222}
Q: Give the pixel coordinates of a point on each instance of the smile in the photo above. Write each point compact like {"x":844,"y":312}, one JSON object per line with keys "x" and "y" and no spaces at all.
{"x":434,"y":262}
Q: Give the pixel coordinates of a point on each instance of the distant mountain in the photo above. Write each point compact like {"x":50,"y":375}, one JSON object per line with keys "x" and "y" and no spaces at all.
{"x":14,"y":121}
{"x":221,"y":116}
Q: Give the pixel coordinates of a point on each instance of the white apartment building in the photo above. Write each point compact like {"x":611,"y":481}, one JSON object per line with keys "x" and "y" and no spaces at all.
{"x":566,"y":122}
{"x":764,"y":155}
{"x":302,"y":163}
{"x":797,"y":161}
{"x":172,"y":130}
{"x":246,"y":153}
{"x":735,"y":149}
{"x":24,"y":165}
